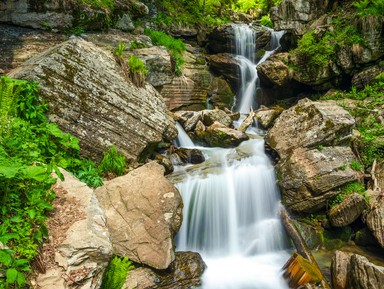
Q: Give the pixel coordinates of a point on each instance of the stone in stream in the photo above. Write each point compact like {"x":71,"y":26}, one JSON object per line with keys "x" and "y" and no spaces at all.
{"x":267,"y":116}
{"x":144,"y":212}
{"x":182,"y":156}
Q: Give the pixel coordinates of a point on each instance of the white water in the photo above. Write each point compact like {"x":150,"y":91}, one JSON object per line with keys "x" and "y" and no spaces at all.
{"x":183,"y":139}
{"x":250,"y":89}
{"x":230,"y":214}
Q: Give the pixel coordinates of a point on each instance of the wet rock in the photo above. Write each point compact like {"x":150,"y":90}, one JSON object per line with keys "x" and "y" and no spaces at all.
{"x":89,"y":97}
{"x":274,"y":71}
{"x":375,"y":221}
{"x":215,"y":115}
{"x":310,"y":123}
{"x":266,"y":117}
{"x":165,"y":162}
{"x":219,"y":135}
{"x":79,"y":247}
{"x":226,"y":65}
{"x":339,"y":269}
{"x":363,"y":274}
{"x":347,"y":211}
{"x":188,"y":119}
{"x":297,"y":15}
{"x":310,"y":177}
{"x":220,"y":93}
{"x":143,"y":211}
{"x":187,"y":156}
{"x":345,"y":58}
{"x":184,"y":272}
{"x":365,"y":238}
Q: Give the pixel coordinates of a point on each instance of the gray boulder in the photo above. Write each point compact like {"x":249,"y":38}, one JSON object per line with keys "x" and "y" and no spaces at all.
{"x":339,"y":269}
{"x":267,"y":116}
{"x":89,"y":97}
{"x":310,"y":177}
{"x":347,"y":211}
{"x":144,"y":212}
{"x":310,"y":123}
{"x":375,"y":221}
{"x":79,"y":247}
{"x":364,"y":275}
{"x":215,"y":115}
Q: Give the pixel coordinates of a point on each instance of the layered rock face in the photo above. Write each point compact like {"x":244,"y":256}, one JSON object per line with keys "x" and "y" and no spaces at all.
{"x":89,"y":97}
{"x":144,"y":212}
{"x":79,"y":245}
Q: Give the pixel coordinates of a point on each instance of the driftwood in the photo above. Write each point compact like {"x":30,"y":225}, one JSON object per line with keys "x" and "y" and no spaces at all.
{"x":296,"y":270}
{"x":248,"y":121}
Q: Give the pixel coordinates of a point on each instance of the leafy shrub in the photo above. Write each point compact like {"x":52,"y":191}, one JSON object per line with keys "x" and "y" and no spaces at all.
{"x":266,"y":21}
{"x":357,"y":166}
{"x":113,"y":162}
{"x":369,"y":7}
{"x":116,"y":273}
{"x":137,"y":70}
{"x":137,"y":45}
{"x":120,"y":48}
{"x":175,"y":46}
{"x":106,"y":4}
{"x":346,"y":190}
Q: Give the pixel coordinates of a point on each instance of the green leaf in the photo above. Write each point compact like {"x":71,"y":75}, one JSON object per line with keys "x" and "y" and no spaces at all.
{"x":5,"y":238}
{"x":20,"y":279}
{"x":58,"y":172}
{"x":11,"y":275}
{"x":16,"y":219}
{"x":6,"y":257}
{"x":36,"y":173}
{"x":31,"y":213}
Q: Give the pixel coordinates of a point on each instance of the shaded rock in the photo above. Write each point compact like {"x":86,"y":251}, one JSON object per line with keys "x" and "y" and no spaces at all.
{"x":339,"y":269}
{"x":296,"y":15}
{"x":308,"y":124}
{"x":220,"y":93}
{"x":79,"y":247}
{"x":313,"y":234}
{"x":215,"y":115}
{"x":226,"y":65}
{"x":364,"y":275}
{"x":184,"y":272}
{"x":89,"y":97}
{"x":158,"y":62}
{"x":344,"y":58}
{"x":187,"y":156}
{"x":365,"y":238}
{"x":144,"y":212}
{"x":375,"y":221}
{"x":125,"y":23}
{"x":266,"y":116}
{"x":219,"y":135}
{"x":309,"y":177}
{"x":348,"y":210}
{"x":165,"y":162}
{"x":365,"y":77}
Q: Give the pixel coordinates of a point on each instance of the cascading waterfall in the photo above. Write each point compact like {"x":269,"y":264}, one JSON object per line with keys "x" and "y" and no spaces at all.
{"x":183,"y":139}
{"x":231,"y":205}
{"x":245,"y":39}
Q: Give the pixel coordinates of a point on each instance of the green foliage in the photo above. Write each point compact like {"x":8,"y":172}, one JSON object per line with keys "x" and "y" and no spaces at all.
{"x":246,"y":6}
{"x":137,"y":70}
{"x":106,"y":4}
{"x":30,"y":149}
{"x":346,"y":190}
{"x":266,"y":21}
{"x":369,"y":7}
{"x":86,"y":171}
{"x":113,"y":162}
{"x":357,"y":166}
{"x":175,"y":46}
{"x":137,"y":45}
{"x":77,"y":30}
{"x":120,"y":48}
{"x":116,"y":273}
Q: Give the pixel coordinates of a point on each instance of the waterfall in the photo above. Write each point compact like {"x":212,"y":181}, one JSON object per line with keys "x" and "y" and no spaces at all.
{"x":183,"y":139}
{"x":245,"y":40}
{"x":231,"y":206}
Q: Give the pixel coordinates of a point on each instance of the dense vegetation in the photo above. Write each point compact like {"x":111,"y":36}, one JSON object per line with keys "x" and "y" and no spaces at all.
{"x":30,"y":149}
{"x":116,"y":273}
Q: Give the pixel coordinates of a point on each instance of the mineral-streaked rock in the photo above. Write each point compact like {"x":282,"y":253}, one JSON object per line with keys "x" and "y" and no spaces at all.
{"x":89,"y":97}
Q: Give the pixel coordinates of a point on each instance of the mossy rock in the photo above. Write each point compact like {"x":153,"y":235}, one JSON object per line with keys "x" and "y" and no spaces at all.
{"x":365,"y":238}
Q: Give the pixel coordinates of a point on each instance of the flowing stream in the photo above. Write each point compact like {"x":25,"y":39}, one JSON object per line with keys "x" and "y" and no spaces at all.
{"x":231,"y":205}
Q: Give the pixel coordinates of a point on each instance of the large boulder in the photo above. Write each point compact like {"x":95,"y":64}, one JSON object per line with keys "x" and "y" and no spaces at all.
{"x":228,"y":66}
{"x":79,"y":247}
{"x":211,"y":116}
{"x":266,"y":116}
{"x":219,"y":135}
{"x":89,"y":97}
{"x":310,"y":177}
{"x":144,"y":212}
{"x":275,"y":71}
{"x":220,"y":93}
{"x":308,"y":124}
{"x":339,"y":269}
{"x":347,"y":211}
{"x":366,"y":76}
{"x":184,"y":272}
{"x":375,"y":221}
{"x":364,"y":275}
{"x":297,"y":15}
